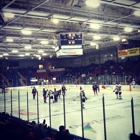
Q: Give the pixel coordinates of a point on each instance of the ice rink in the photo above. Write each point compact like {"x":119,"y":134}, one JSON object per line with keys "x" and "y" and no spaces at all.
{"x":118,"y":112}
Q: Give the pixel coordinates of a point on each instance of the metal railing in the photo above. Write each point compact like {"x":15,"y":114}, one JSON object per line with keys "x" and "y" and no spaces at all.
{"x":17,"y":96}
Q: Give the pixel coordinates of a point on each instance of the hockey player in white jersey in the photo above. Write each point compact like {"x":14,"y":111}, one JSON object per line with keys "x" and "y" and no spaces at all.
{"x":118,"y":91}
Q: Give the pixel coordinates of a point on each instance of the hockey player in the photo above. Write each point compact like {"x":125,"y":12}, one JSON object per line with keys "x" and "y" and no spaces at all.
{"x":82,"y":96}
{"x":120,"y":91}
{"x":55,"y":95}
{"x":95,"y":88}
{"x":50,"y":94}
{"x":3,"y":88}
{"x":133,"y":82}
{"x":44,"y":94}
{"x":34,"y":91}
{"x":116,"y":91}
{"x":63,"y":90}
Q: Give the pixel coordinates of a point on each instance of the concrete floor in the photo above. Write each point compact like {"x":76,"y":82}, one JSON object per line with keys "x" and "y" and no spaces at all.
{"x":118,"y":112}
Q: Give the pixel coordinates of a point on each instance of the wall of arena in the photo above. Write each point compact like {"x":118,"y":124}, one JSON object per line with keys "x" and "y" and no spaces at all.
{"x":84,"y":60}
{"x":108,"y":88}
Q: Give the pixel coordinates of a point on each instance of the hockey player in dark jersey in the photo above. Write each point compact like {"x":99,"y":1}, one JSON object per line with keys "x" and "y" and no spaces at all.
{"x":63,"y":90}
{"x":95,"y":88}
{"x":3,"y":88}
{"x":44,"y":94}
{"x":34,"y":91}
{"x":55,"y":95}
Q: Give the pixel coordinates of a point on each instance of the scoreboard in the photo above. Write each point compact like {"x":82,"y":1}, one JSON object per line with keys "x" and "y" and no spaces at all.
{"x":71,"y":39}
{"x":69,"y":44}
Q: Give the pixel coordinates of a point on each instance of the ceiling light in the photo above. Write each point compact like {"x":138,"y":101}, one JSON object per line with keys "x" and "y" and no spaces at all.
{"x":1,"y":55}
{"x":55,"y":21}
{"x":40,"y":51}
{"x":123,"y":40}
{"x":97,"y":47}
{"x":44,"y":42}
{"x":14,"y":51}
{"x":128,"y":29}
{"x":94,"y":4}
{"x":27,"y":54}
{"x":5,"y":54}
{"x":9,"y":40}
{"x":94,"y":26}
{"x":21,"y":55}
{"x":93,"y":44}
{"x":44,"y":54}
{"x":39,"y":58}
{"x":137,"y":13}
{"x":138,"y":31}
{"x":116,"y":38}
{"x":96,"y":37}
{"x":28,"y":47}
{"x":37,"y":55}
{"x":9,"y":15}
{"x":26,"y":32}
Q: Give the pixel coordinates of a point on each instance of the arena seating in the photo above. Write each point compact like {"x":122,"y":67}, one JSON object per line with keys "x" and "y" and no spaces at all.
{"x":17,"y":129}
{"x":130,"y":69}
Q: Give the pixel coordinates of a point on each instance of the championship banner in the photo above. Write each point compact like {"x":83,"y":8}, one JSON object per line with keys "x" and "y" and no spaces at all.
{"x":129,"y":52}
{"x":92,"y":59}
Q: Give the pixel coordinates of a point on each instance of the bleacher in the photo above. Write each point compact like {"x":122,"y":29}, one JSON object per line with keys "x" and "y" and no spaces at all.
{"x":16,"y":129}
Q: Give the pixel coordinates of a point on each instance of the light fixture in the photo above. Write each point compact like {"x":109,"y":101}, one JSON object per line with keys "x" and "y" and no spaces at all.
{"x":122,"y":57}
{"x":94,"y":26}
{"x":92,"y":3}
{"x":9,"y":40}
{"x":39,"y":58}
{"x":1,"y":55}
{"x":55,"y":21}
{"x":26,"y":32}
{"x":40,"y":51}
{"x":5,"y":54}
{"x":9,"y":15}
{"x":128,"y":29}
{"x":123,"y":40}
{"x":44,"y":54}
{"x":93,"y":43}
{"x":21,"y":55}
{"x":53,"y":47}
{"x":97,"y":37}
{"x":37,"y":55}
{"x":116,"y":38}
{"x":137,"y":13}
{"x":44,"y":42}
{"x":97,"y":47}
{"x":14,"y":51}
{"x":138,"y":31}
{"x":28,"y":47}
{"x":27,"y":54}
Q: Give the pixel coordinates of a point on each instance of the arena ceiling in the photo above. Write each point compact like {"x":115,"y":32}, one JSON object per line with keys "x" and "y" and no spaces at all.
{"x":112,"y":19}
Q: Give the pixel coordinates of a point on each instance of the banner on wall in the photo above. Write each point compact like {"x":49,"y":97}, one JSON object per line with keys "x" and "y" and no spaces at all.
{"x":92,"y":59}
{"x":129,"y":52}
{"x":77,"y":61}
